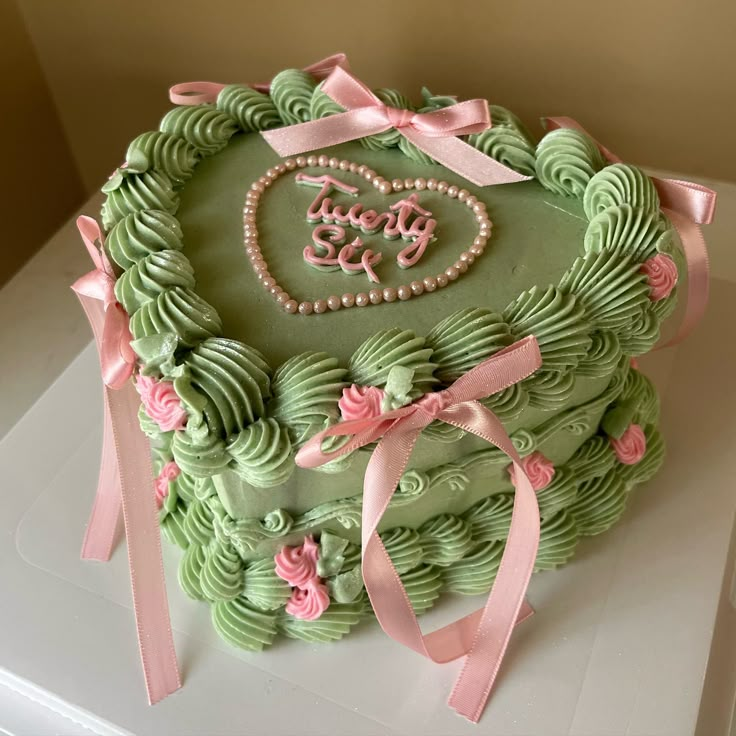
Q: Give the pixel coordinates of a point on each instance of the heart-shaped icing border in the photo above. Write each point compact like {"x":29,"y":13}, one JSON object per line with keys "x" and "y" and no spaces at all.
{"x":404,"y":292}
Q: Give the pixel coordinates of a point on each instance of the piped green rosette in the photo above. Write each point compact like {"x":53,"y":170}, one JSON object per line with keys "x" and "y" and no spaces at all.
{"x":249,"y":418}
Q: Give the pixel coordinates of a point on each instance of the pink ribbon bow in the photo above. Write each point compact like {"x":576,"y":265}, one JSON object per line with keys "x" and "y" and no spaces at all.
{"x":126,"y":476}
{"x":483,"y":635}
{"x":434,"y":132}
{"x":687,"y":205}
{"x":198,"y":93}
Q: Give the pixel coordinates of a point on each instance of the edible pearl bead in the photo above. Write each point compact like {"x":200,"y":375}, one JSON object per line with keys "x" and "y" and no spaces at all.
{"x":311,"y":160}
{"x":430,"y":283}
{"x":362,"y":299}
{"x":404,"y":292}
{"x":361,"y":169}
{"x":417,"y":288}
{"x":280,"y":169}
{"x":275,"y":290}
{"x":385,"y":187}
{"x":334,"y":303}
{"x":389,"y":294}
{"x":420,"y":183}
{"x":334,"y":163}
{"x":442,"y":187}
{"x":264,"y":181}
{"x":480,"y":241}
{"x":323,"y":160}
{"x":477,"y":250}
{"x":301,"y":161}
{"x":320,"y":306}
{"x":462,"y":195}
{"x":442,"y":280}
{"x":408,"y":183}
{"x":344,"y":166}
{"x":291,"y":306}
{"x":256,"y":186}
{"x":290,"y":164}
{"x":251,"y":249}
{"x":471,"y":201}
{"x":282,"y":298}
{"x":353,"y":168}
{"x":272,"y":174}
{"x":452,"y":192}
{"x":369,"y":174}
{"x":431,"y":184}
{"x":452,"y":273}
{"x":347,"y":299}
{"x":467,"y":257}
{"x":479,"y":208}
{"x":397,"y":185}
{"x":306,"y":308}
{"x":460,"y":265}
{"x":376,"y":296}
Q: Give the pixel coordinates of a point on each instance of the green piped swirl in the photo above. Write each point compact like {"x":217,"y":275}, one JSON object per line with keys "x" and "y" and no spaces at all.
{"x":252,"y":110}
{"x":139,"y":234}
{"x":509,"y":403}
{"x":423,"y":585}
{"x":550,"y":390}
{"x":203,"y":126}
{"x":404,"y":548}
{"x":557,"y":542}
{"x":262,"y":454}
{"x":178,"y":311}
{"x":150,"y":190}
{"x":190,"y":571}
{"x":507,"y":146}
{"x":165,"y":152}
{"x":642,"y":332}
{"x":200,"y":459}
{"x":566,"y":161}
{"x":371,"y":362}
{"x":475,"y":573}
{"x":291,"y":92}
{"x":222,"y":573}
{"x":599,"y":504}
{"x":445,"y":539}
{"x":391,"y":137}
{"x":243,"y":625}
{"x":603,"y":355}
{"x":306,"y":389}
{"x":620,"y":184}
{"x":322,"y":105}
{"x":332,"y":625}
{"x":556,"y":319}
{"x":464,"y":339}
{"x":152,"y":275}
{"x":489,"y":519}
{"x":263,"y":588}
{"x":226,"y":382}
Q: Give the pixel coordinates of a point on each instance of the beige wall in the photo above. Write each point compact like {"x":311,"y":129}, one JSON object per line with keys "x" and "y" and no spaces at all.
{"x":633,"y":71}
{"x":40,"y":185}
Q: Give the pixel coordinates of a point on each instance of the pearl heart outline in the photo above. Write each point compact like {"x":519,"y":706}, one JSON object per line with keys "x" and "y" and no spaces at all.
{"x":375,"y":296}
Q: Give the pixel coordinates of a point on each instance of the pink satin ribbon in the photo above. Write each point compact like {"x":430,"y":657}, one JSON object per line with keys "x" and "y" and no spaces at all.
{"x":483,"y":635}
{"x":434,"y":132}
{"x":198,"y":93}
{"x":687,"y":205}
{"x":126,"y":476}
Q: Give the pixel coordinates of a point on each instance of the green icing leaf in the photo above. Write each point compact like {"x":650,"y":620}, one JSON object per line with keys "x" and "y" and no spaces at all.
{"x":618,"y":418}
{"x":347,"y":586}
{"x":331,"y":557}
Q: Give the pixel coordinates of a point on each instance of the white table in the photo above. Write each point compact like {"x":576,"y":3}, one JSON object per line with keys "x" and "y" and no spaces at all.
{"x":637,"y":636}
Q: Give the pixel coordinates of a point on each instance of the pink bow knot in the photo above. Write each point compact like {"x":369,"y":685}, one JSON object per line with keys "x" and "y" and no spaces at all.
{"x":483,"y":635}
{"x":436,"y":132}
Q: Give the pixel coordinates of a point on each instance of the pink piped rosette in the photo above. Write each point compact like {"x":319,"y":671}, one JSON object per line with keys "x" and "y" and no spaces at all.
{"x":631,"y":446}
{"x":169,"y":472}
{"x":161,"y":403}
{"x":540,"y":470}
{"x":360,"y":402}
{"x":661,"y":273}
{"x":298,"y":567}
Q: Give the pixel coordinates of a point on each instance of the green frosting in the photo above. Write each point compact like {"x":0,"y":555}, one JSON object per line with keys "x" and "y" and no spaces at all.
{"x":642,"y":333}
{"x":252,"y":110}
{"x":190,"y":571}
{"x":165,"y":152}
{"x":242,"y":625}
{"x":559,"y":494}
{"x":652,"y":461}
{"x":611,"y":290}
{"x":389,"y":138}
{"x":332,"y":625}
{"x":603,"y":355}
{"x":331,"y":554}
{"x":199,"y":523}
{"x":222,"y":573}
{"x":557,"y":541}
{"x":550,"y":390}
{"x":291,"y":92}
{"x":262,"y":454}
{"x":464,"y":339}
{"x":557,"y":320}
{"x":129,"y":192}
{"x":151,"y":276}
{"x":445,"y":539}
{"x":508,"y":146}
{"x":619,"y":184}
{"x":490,"y":518}
{"x":474,"y":574}
{"x":624,"y":230}
{"x":178,"y":311}
{"x":423,"y":585}
{"x":225,"y":382}
{"x":566,"y":161}
{"x":141,"y":233}
{"x":322,"y":105}
{"x":508,"y":404}
{"x":502,"y":117}
{"x":640,"y":392}
{"x":404,"y":548}
{"x":173,"y":526}
{"x":203,"y":126}
{"x":372,"y":361}
{"x":202,"y":458}
{"x":263,"y":587}
{"x":306,"y":390}
{"x":600,"y":503}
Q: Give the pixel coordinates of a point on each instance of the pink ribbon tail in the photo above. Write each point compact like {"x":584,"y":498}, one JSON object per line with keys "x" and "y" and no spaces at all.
{"x":688,"y":205}
{"x":483,"y":635}
{"x":199,"y":93}
{"x":436,"y":133}
{"x":126,"y":476}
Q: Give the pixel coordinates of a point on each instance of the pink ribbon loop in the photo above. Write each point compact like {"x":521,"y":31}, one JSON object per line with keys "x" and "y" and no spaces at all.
{"x":125,"y":482}
{"x":687,"y":205}
{"x":434,"y":132}
{"x":483,"y":635}
{"x":199,"y":93}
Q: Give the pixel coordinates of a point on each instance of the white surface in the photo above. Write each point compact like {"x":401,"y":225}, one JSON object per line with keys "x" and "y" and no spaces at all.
{"x":620,"y":644}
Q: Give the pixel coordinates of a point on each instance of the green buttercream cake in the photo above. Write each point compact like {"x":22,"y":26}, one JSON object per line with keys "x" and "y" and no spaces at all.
{"x":265,"y":324}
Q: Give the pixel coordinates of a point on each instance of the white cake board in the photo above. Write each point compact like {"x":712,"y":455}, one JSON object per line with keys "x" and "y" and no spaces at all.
{"x":620,"y":643}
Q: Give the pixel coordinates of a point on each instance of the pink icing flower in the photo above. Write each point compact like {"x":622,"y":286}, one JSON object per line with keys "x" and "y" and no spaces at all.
{"x":298,"y":565}
{"x":360,"y":402}
{"x":161,"y":403}
{"x":634,"y":363}
{"x":309,"y":603}
{"x":539,"y":469}
{"x":631,"y":445}
{"x":661,"y":273}
{"x":169,"y":472}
